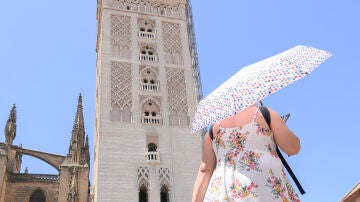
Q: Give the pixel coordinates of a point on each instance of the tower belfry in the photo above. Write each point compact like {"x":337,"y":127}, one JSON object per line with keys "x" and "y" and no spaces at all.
{"x":147,"y":89}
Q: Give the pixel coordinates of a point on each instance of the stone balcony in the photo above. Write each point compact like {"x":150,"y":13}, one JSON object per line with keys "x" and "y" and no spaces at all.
{"x":147,"y":58}
{"x":153,"y":157}
{"x":151,"y":120}
{"x":146,"y":35}
{"x":150,"y":87}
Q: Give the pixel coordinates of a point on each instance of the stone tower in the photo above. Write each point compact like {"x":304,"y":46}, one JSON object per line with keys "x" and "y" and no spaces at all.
{"x":147,"y":89}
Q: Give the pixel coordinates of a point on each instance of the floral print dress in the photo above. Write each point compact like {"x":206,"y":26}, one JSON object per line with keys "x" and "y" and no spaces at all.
{"x":248,"y":168}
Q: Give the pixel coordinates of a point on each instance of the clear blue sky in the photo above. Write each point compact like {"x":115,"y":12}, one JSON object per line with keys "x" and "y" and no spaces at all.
{"x":48,"y":57}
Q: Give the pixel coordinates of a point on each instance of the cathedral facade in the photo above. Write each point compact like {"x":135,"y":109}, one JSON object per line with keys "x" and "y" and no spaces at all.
{"x":147,"y":89}
{"x":71,"y":184}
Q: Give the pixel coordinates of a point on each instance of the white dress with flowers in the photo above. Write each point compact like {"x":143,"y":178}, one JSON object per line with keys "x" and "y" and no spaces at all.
{"x":248,"y":168}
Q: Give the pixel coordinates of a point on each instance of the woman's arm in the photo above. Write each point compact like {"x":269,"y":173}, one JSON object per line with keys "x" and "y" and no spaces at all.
{"x":284,"y":137}
{"x":206,"y":170}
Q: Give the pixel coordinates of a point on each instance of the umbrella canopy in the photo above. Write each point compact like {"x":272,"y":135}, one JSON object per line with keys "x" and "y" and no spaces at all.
{"x":254,"y":82}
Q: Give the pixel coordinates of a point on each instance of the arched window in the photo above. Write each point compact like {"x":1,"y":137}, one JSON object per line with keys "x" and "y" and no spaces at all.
{"x":126,"y":114}
{"x":147,"y":29}
{"x":147,"y":50}
{"x":152,"y":147}
{"x":183,"y":118}
{"x":148,"y":54}
{"x":151,"y":113}
{"x":164,"y":194}
{"x":143,"y":194}
{"x":149,"y":80}
{"x":38,"y":196}
{"x":118,"y":114}
{"x":174,"y":119}
{"x":115,"y":113}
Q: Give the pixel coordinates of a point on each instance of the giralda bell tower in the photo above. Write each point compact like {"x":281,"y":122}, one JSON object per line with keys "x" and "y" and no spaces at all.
{"x":147,"y":89}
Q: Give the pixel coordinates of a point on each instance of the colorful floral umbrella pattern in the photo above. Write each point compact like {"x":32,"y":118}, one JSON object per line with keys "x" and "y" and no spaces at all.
{"x":254,"y":82}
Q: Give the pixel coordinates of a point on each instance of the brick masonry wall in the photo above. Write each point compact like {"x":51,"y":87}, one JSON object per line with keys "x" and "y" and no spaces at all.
{"x":21,"y":191}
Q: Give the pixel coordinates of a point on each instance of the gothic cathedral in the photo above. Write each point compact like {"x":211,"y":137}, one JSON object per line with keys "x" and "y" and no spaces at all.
{"x":147,"y":89}
{"x":70,"y":185}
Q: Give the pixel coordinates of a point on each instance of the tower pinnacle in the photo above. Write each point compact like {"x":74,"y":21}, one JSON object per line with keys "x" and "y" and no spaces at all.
{"x":10,"y":128}
{"x":79,"y":118}
{"x":79,"y":148}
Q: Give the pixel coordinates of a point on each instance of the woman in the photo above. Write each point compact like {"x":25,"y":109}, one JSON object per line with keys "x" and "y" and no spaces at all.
{"x":240,"y":162}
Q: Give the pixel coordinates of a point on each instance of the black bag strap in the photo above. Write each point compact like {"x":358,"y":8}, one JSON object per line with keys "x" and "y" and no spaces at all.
{"x":211,"y":133}
{"x":266,"y":114}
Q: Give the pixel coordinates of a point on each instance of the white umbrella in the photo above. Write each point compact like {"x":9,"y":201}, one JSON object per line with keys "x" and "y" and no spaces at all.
{"x":254,"y":82}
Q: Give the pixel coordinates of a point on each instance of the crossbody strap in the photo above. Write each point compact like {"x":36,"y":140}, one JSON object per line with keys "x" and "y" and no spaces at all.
{"x":266,"y":114}
{"x":211,"y":133}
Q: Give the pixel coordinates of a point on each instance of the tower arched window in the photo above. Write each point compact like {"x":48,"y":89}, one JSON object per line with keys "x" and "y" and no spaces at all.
{"x":151,"y":113}
{"x":118,"y":114}
{"x":37,"y":196}
{"x":147,"y":29}
{"x":143,"y":194}
{"x":149,"y":80}
{"x":164,"y":194}
{"x":152,"y":154}
{"x":152,"y":147}
{"x":148,"y":54}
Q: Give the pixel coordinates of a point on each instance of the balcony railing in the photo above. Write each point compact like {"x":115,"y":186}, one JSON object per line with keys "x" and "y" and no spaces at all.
{"x":150,"y":86}
{"x":147,"y":58}
{"x":152,"y":157}
{"x":146,"y":35}
{"x":151,"y":120}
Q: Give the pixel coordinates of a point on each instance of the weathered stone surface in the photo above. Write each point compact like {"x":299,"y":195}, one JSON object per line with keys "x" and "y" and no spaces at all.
{"x":148,"y":86}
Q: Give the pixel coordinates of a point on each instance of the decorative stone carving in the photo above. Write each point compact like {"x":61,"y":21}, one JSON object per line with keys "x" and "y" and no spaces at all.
{"x":143,"y":175}
{"x":164,"y":175}
{"x":169,"y":1}
{"x":121,"y":79}
{"x":172,"y":43}
{"x":156,"y":7}
{"x":10,"y":128}
{"x":120,"y":36}
{"x":176,"y":89}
